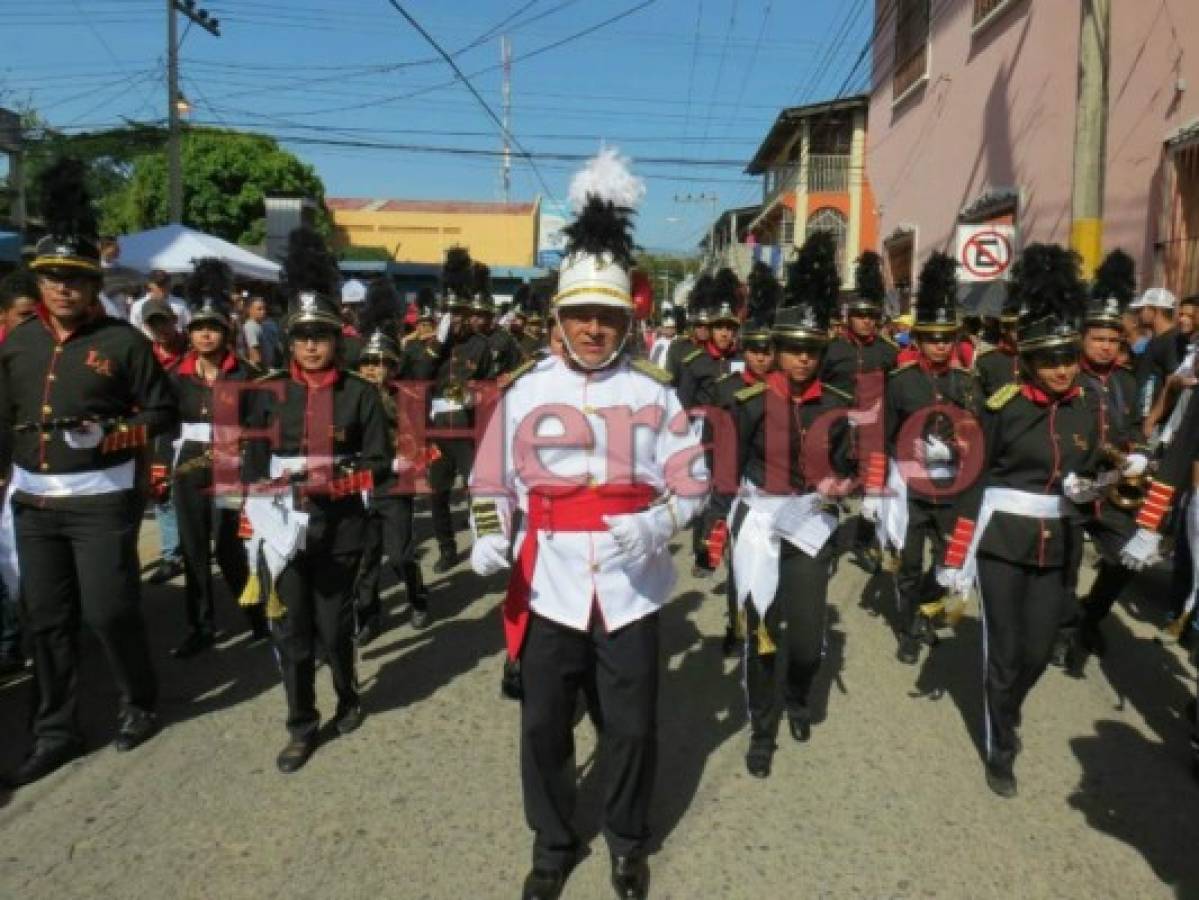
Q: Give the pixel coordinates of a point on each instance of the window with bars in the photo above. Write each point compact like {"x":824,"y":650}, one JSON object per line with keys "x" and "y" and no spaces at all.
{"x":833,"y":221}
{"x":1179,"y":252}
{"x":911,"y":45}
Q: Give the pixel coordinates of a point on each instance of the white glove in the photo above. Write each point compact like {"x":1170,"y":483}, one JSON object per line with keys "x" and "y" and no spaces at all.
{"x":1142,"y":550}
{"x":640,"y":536}
{"x":1080,"y":490}
{"x":1135,"y":464}
{"x":953,"y":580}
{"x":84,"y":437}
{"x":443,"y":327}
{"x":872,"y":508}
{"x":227,"y":501}
{"x":490,"y":554}
{"x":936,"y":450}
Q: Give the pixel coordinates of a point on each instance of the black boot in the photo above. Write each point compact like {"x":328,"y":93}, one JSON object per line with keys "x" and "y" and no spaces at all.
{"x":297,"y":752}
{"x":42,"y":761}
{"x":418,"y":596}
{"x":1001,"y":778}
{"x":759,"y":757}
{"x":136,"y":727}
{"x":630,"y":877}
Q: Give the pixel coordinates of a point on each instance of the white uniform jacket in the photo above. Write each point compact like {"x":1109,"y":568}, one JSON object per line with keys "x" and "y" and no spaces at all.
{"x":575,"y":569}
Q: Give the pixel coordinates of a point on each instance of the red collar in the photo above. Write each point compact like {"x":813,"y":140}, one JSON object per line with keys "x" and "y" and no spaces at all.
{"x":926,"y":365}
{"x":187,"y":366}
{"x":718,"y":355}
{"x":95,"y":312}
{"x":349,"y":330}
{"x":860,"y":341}
{"x":1041,"y":398}
{"x":325,"y":378}
{"x":167,"y":356}
{"x":781,"y":385}
{"x":749,"y":377}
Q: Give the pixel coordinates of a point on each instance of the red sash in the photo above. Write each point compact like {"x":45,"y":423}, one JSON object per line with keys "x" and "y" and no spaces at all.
{"x":566,"y":508}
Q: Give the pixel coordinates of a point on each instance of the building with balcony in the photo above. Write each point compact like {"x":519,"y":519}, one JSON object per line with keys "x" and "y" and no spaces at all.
{"x":813,"y":168}
{"x":420,"y":231}
{"x":979,"y":115}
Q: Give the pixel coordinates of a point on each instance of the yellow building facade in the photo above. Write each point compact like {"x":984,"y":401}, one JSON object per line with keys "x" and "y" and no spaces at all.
{"x":499,"y":234}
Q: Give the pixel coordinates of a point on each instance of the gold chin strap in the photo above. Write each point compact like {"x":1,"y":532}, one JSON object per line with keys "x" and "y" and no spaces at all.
{"x":574,"y":358}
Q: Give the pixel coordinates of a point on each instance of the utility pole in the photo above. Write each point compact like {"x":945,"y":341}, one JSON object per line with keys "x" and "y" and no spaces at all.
{"x":174,"y":154}
{"x":1090,"y":134}
{"x":506,"y":163}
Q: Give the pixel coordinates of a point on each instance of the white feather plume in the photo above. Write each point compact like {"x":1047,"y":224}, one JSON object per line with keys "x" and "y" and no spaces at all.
{"x":608,"y":177}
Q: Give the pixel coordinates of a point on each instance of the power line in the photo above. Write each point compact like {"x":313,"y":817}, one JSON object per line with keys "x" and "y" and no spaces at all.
{"x":724,"y":52}
{"x":470,"y":87}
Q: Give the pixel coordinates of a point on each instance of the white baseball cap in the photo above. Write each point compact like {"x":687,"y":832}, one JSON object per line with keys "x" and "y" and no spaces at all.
{"x":1159,"y":298}
{"x":353,"y":291}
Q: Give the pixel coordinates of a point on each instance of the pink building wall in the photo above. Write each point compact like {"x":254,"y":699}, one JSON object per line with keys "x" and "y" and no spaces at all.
{"x":997,"y":111}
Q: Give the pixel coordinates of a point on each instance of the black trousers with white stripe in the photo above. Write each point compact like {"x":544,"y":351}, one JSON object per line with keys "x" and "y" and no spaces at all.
{"x":1023,"y":607}
{"x":783,"y":649}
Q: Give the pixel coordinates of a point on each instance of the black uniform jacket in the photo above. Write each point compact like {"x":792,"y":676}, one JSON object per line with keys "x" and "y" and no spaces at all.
{"x":359,"y":432}
{"x":195,"y":398}
{"x":680,"y":347}
{"x":770,"y":421}
{"x":506,"y":354}
{"x":1032,"y":443}
{"x":461,"y":359}
{"x":848,"y":357}
{"x":104,"y":371}
{"x":1119,"y":425}
{"x":915,"y":387}
{"x":996,"y":367}
{"x":698,"y":374}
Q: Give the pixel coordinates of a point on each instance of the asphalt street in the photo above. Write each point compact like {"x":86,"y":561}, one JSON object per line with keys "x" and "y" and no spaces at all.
{"x":887,"y":800}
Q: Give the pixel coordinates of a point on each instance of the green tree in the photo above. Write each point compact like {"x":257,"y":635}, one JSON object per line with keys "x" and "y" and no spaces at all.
{"x":226,"y":175}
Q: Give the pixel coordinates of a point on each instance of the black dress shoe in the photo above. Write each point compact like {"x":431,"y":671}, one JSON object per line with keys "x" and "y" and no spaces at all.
{"x":511,"y":685}
{"x":801,"y":728}
{"x":630,"y":877}
{"x":1001,"y":779}
{"x":420,"y":617}
{"x":543,"y":884}
{"x":137,"y":726}
{"x":908,"y":651}
{"x":292,"y":757}
{"x":446,"y":561}
{"x":349,"y":720}
{"x":194,"y":644}
{"x":758,"y":758}
{"x":42,"y":761}
{"x":167,"y":570}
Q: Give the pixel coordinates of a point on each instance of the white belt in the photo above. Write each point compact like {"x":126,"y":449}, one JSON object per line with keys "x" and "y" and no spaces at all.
{"x":199,"y":432}
{"x":75,"y":484}
{"x":1015,"y":503}
{"x":757,"y":543}
{"x":282,"y":464}
{"x":441,"y":405}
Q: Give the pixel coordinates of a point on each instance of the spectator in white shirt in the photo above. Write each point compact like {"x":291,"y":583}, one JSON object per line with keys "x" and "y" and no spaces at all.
{"x":158,"y":289}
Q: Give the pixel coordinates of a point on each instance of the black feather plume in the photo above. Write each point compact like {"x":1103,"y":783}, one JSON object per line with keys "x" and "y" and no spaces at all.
{"x":308,"y":265}
{"x":764,"y":294}
{"x":703,"y":293}
{"x":727,"y":288}
{"x":868,"y":277}
{"x":381,"y":308}
{"x":522,"y":298}
{"x":809,"y":283}
{"x":1046,"y":282}
{"x":938,"y":287}
{"x":456,"y":275}
{"x":1116,"y":277}
{"x":480,"y":278}
{"x":602,"y":228}
{"x":211,"y":279}
{"x":65,"y":201}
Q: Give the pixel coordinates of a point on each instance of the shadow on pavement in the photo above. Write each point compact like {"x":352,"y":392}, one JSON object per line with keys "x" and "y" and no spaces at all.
{"x":954,"y":667}
{"x":225,"y":676}
{"x":1139,"y":793}
{"x":428,"y":660}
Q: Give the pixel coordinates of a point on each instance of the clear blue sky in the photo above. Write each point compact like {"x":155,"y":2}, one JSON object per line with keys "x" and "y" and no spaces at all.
{"x":680,"y":80}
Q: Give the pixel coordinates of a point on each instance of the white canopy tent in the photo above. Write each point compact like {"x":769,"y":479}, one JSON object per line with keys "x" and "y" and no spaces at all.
{"x":174,"y":248}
